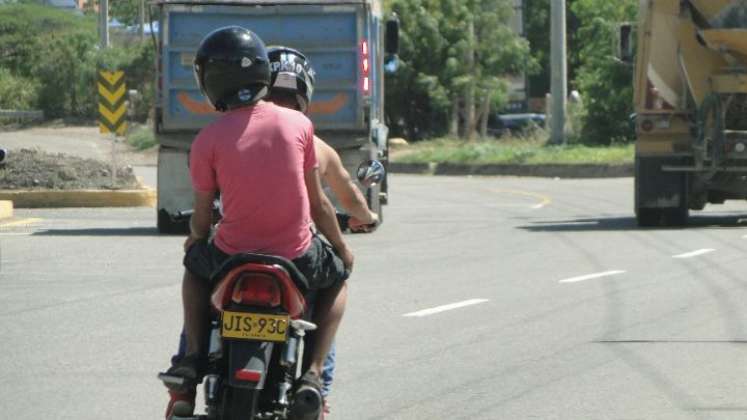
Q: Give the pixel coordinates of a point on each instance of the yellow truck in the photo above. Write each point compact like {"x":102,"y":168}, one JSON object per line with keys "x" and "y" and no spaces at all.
{"x":691,"y":107}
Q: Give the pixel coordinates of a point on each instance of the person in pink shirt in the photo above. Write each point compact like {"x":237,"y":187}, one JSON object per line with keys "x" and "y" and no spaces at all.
{"x":261,"y":158}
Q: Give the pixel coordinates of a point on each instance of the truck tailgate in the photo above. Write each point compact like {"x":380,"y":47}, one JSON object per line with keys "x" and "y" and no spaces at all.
{"x":328,"y":35}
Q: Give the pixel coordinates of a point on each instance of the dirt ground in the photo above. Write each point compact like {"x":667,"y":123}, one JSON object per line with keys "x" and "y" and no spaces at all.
{"x":55,"y":156}
{"x":81,"y":141}
{"x":36,"y":169}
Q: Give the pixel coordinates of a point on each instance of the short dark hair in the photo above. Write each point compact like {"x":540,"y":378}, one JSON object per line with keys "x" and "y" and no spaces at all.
{"x":284,"y":98}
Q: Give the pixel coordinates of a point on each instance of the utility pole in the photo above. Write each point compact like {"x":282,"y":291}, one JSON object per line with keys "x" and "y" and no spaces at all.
{"x":559,"y":71}
{"x":141,"y":16}
{"x":104,"y":23}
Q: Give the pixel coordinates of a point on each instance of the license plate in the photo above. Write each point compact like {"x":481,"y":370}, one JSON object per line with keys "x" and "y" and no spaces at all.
{"x":251,"y":326}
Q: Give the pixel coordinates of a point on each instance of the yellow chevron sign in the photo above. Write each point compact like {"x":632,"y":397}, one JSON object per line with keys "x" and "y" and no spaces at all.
{"x":112,"y":107}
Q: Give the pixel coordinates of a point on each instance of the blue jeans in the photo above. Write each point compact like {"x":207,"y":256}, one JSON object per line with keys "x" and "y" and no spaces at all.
{"x":328,"y":374}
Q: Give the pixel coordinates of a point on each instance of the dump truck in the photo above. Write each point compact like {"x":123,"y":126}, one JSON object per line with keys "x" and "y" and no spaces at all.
{"x":691,"y":106}
{"x":348,"y":43}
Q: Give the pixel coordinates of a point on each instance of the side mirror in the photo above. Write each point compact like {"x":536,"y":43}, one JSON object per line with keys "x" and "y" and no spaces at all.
{"x":391,"y":64}
{"x":625,"y":43}
{"x":391,"y":43}
{"x":370,"y":173}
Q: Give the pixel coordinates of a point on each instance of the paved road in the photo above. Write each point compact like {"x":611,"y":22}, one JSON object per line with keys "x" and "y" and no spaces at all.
{"x":559,"y":309}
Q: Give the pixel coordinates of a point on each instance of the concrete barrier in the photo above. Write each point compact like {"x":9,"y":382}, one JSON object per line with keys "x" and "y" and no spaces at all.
{"x":579,"y":171}
{"x":80,"y":198}
{"x":6,"y":209}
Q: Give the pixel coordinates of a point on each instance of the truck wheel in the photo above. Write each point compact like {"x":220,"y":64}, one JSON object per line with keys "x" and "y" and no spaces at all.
{"x":167,"y":226}
{"x":651,"y":185}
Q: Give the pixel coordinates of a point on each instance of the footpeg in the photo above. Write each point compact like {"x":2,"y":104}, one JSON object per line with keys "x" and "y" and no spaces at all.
{"x":172,"y":381}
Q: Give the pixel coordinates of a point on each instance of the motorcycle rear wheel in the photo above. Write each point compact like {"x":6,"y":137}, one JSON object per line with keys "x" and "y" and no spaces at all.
{"x":239,"y":404}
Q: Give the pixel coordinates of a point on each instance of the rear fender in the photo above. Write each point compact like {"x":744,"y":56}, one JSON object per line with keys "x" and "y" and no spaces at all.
{"x":248,"y":356}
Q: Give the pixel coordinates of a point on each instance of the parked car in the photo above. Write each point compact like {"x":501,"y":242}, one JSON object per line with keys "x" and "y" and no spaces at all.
{"x":502,"y":124}
{"x":69,"y":5}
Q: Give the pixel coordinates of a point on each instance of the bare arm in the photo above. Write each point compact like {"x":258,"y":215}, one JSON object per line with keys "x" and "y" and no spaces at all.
{"x":202,"y":218}
{"x":342,"y":185}
{"x":323,"y":215}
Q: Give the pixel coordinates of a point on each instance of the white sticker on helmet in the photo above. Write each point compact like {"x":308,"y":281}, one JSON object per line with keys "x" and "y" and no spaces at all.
{"x":246,"y":62}
{"x":286,"y":81}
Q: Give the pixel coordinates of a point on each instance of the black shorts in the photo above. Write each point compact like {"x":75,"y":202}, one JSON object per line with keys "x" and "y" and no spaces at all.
{"x":320,"y":264}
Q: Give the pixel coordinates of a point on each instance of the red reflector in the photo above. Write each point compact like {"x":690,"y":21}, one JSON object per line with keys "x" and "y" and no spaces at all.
{"x":257,"y":289}
{"x":248,"y":375}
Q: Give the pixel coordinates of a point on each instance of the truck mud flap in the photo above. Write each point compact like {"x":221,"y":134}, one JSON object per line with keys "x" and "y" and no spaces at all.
{"x":659,"y":189}
{"x":248,"y":357}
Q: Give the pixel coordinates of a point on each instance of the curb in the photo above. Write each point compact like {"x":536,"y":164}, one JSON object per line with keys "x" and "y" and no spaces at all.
{"x":6,"y":209}
{"x":79,"y":198}
{"x":579,"y":171}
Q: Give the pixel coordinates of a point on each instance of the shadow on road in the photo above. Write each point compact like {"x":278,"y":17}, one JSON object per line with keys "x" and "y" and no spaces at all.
{"x":133,"y":231}
{"x":628,"y":223}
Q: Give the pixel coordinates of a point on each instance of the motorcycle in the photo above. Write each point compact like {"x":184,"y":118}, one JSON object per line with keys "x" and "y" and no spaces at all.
{"x":260,"y":320}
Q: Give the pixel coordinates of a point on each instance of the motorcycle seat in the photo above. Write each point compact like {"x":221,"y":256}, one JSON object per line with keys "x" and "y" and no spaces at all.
{"x":237,"y":260}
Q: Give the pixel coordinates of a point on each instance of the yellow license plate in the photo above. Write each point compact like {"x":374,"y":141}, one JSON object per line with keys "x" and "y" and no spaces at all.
{"x":251,"y":326}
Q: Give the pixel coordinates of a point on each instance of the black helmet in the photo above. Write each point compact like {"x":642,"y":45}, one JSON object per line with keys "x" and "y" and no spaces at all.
{"x":232,"y":68}
{"x":291,"y":75}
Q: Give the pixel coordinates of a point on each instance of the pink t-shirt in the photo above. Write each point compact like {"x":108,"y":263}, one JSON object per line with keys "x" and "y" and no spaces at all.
{"x":257,"y":158}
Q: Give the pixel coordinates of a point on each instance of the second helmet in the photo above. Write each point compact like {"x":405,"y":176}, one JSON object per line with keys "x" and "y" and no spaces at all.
{"x":291,"y":74}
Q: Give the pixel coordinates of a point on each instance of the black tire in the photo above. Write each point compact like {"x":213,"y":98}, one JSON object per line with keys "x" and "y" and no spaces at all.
{"x":239,"y":404}
{"x":667,"y":182}
{"x":167,"y":226}
{"x":649,"y":217}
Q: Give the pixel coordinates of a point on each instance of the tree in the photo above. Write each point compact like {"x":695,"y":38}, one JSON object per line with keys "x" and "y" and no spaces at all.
{"x":605,"y":84}
{"x":417,"y":100}
{"x":125,"y":11}
{"x":454,"y":55}
{"x":537,"y":21}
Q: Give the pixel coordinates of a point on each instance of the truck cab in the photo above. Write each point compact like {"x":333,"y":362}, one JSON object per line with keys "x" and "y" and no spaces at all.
{"x":344,"y":40}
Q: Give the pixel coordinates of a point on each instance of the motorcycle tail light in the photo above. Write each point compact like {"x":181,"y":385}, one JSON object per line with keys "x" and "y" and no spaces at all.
{"x":248,"y":375}
{"x":257,"y":289}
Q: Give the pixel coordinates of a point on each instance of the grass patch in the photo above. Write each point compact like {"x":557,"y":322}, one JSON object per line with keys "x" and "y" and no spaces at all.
{"x":512,"y":151}
{"x":142,"y":137}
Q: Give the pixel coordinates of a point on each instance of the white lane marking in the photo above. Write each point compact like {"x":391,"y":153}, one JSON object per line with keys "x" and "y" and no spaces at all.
{"x":437,"y":309}
{"x":694,"y":253}
{"x":592,"y":276}
{"x":21,"y":222}
{"x":544,"y":200}
{"x":16,"y":233}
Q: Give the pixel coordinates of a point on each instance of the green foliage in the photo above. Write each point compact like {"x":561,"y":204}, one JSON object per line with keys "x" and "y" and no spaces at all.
{"x":125,"y":11}
{"x":57,"y":53}
{"x":417,"y":101}
{"x":54,"y":48}
{"x":65,"y":69}
{"x":142,"y":137}
{"x":529,"y":150}
{"x":26,"y":30}
{"x":452,"y":52}
{"x":17,"y":92}
{"x":605,"y":84}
